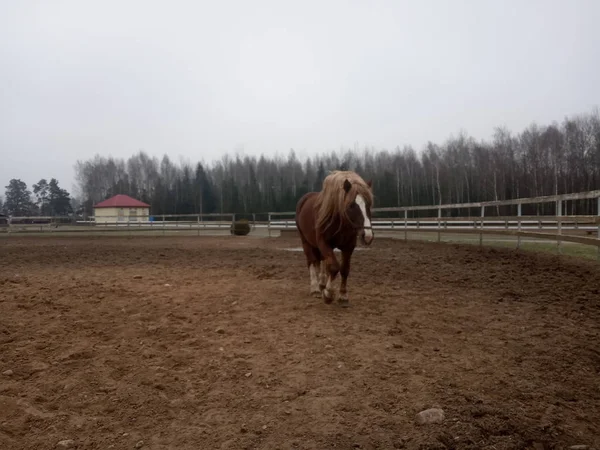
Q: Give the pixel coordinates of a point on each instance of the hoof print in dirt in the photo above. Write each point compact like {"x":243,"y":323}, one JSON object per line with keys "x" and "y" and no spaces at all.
{"x":344,"y":302}
{"x":327,"y":296}
{"x":433,"y":415}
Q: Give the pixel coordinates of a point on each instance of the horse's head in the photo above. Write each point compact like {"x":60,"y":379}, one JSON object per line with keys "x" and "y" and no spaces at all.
{"x":359,"y":212}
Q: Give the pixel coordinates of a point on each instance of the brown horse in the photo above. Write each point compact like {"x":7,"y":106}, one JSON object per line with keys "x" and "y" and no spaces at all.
{"x":334,"y":218}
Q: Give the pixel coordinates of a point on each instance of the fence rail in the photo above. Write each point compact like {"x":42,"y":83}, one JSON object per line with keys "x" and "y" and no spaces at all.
{"x":560,"y":228}
{"x":166,"y":222}
{"x":518,"y":201}
{"x":582,"y":229}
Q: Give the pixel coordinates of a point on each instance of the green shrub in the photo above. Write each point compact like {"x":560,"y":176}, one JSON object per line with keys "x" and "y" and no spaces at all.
{"x":240,"y":227}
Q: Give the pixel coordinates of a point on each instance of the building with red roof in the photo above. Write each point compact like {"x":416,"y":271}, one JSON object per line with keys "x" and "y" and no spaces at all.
{"x":121,"y":208}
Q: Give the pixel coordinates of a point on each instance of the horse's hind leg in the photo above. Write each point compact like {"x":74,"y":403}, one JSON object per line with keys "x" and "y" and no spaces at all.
{"x":323,"y":275}
{"x":312,"y":258}
{"x":314,"y":279}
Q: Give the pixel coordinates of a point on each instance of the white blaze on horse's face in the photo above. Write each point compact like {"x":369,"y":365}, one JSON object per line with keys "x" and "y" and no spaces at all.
{"x":368,"y":231}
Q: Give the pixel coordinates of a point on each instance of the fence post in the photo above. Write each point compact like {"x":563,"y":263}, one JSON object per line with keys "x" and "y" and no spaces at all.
{"x":406,"y":226}
{"x":559,"y":225}
{"x":519,"y":226}
{"x":269,"y":224}
{"x":481,"y":227}
{"x":163,"y":217}
{"x":198,"y":225}
{"x":253,"y":221}
{"x":439,"y":233}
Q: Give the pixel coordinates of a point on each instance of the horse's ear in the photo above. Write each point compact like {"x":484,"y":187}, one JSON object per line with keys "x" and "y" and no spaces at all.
{"x":370,"y":184}
{"x":347,"y":186}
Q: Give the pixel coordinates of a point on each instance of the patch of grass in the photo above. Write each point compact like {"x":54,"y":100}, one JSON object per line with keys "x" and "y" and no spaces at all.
{"x":527,"y":244}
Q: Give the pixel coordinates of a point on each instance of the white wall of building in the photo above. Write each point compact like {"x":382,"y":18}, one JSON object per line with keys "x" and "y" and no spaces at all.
{"x":123,"y":215}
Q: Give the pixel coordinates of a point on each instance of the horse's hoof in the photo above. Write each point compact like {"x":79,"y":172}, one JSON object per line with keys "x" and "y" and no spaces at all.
{"x":344,"y":302}
{"x":327,"y":296}
{"x":315,"y":293}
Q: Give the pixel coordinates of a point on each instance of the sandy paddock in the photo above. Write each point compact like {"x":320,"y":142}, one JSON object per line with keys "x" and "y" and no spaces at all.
{"x":214,"y":343}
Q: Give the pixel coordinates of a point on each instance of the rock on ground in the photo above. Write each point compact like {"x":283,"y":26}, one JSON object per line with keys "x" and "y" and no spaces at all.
{"x":432,"y":415}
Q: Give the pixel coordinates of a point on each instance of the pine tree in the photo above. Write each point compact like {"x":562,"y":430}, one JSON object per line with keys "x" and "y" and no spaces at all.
{"x":42,"y":193}
{"x":18,"y":198}
{"x":59,"y":199}
{"x":320,"y":177}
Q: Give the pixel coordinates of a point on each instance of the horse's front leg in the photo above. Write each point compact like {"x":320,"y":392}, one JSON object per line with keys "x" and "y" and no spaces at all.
{"x":344,"y":272}
{"x":329,"y":270}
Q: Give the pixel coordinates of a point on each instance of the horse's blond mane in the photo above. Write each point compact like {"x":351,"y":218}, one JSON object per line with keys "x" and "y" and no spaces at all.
{"x":333,"y":201}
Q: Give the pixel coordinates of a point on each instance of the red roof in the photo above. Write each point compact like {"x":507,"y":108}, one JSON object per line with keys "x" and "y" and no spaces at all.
{"x":121,"y":201}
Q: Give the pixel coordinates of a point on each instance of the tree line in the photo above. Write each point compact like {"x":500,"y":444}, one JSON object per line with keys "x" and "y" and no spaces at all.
{"x":540,"y":160}
{"x":48,"y":199}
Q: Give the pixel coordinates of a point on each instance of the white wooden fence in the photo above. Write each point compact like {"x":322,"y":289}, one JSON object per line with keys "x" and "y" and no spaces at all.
{"x":581,"y":229}
{"x":161,"y":223}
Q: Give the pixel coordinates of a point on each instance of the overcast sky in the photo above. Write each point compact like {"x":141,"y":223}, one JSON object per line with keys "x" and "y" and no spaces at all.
{"x":201,"y":78}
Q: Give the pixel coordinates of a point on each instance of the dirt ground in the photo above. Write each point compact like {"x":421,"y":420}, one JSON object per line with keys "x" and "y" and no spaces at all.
{"x":214,"y":343}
